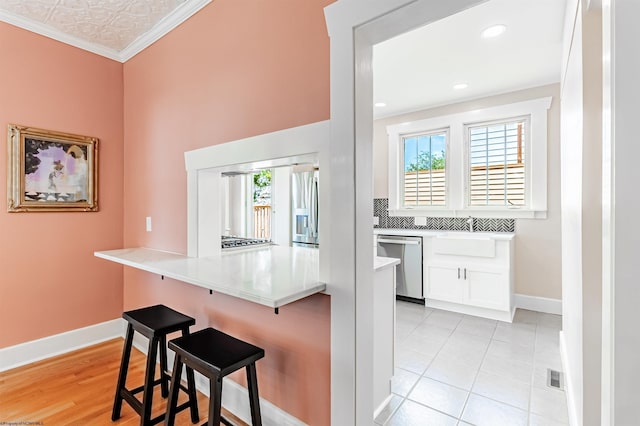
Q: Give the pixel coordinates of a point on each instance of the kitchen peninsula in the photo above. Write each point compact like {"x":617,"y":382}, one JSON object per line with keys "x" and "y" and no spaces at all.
{"x":272,"y":276}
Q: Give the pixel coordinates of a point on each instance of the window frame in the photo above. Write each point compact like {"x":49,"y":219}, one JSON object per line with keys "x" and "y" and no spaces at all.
{"x":402,"y":174}
{"x":457,"y":161}
{"x":527,"y":172}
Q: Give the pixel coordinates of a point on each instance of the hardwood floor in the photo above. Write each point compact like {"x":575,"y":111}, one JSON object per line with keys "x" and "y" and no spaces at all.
{"x":78,"y":389}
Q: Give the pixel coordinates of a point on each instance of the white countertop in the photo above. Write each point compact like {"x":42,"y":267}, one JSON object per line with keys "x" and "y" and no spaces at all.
{"x":435,"y":233}
{"x":380,"y":262}
{"x":272,"y":276}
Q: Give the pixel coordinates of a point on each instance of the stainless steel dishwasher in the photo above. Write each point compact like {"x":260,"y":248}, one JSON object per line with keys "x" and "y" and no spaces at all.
{"x":409,"y":272}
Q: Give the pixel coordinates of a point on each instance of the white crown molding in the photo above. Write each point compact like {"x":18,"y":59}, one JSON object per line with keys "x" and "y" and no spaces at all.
{"x":165,"y":25}
{"x":47,"y":31}
{"x":183,"y":12}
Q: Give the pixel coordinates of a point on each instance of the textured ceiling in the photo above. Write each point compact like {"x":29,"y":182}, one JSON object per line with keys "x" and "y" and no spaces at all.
{"x":109,"y":25}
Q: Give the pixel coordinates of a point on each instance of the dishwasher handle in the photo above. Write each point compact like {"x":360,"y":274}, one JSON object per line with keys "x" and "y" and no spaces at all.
{"x":404,"y":242}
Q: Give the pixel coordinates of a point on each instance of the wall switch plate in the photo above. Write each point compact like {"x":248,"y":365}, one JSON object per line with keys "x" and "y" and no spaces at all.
{"x":148,"y":223}
{"x":376,"y":221}
{"x":420,"y":221}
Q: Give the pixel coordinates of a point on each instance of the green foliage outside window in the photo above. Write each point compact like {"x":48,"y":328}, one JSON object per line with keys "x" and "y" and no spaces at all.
{"x":428,"y":161}
{"x":262,"y":187}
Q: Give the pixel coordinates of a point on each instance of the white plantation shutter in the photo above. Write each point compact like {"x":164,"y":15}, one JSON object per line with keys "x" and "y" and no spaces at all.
{"x":497,"y":163}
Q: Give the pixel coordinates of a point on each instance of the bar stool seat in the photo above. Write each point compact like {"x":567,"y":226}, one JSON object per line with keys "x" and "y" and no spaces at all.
{"x":155,"y":323}
{"x":215,"y":354}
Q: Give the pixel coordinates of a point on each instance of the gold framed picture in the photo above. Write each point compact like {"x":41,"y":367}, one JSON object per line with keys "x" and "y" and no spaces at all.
{"x":51,"y":171}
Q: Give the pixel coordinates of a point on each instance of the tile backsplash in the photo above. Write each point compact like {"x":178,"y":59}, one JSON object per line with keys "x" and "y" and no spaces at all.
{"x":380,"y":206}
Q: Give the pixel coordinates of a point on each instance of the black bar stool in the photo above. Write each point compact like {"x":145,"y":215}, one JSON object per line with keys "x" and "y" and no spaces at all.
{"x":153,"y":322}
{"x":215,"y":355}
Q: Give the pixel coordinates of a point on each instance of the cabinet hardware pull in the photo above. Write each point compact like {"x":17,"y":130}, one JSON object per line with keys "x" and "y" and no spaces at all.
{"x":458,"y":273}
{"x":465,"y":273}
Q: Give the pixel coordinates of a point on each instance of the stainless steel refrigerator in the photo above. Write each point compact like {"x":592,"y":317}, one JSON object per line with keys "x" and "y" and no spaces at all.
{"x":304,"y":203}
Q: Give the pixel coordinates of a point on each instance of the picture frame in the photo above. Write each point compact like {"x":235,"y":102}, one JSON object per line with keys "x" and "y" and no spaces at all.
{"x":51,"y":171}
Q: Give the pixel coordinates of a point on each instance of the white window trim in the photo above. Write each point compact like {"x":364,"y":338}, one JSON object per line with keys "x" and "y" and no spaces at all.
{"x":536,"y":167}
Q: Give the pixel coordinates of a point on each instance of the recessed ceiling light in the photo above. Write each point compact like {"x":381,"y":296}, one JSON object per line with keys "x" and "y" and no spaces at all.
{"x":380,"y":104}
{"x":494,"y":31}
{"x":460,"y":86}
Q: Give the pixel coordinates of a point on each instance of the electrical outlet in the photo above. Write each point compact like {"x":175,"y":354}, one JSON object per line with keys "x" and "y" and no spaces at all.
{"x":148,"y":223}
{"x":376,"y":221}
{"x":420,"y":221}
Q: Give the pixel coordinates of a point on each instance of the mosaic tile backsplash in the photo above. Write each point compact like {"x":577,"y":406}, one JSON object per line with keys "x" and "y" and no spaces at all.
{"x":380,"y":206}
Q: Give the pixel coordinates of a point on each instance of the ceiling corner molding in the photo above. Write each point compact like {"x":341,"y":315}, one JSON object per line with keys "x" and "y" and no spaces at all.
{"x":183,"y":12}
{"x":52,"y":33}
{"x":168,"y":23}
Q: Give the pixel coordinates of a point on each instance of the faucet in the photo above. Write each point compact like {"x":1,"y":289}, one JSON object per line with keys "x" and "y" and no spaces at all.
{"x":470,"y":222}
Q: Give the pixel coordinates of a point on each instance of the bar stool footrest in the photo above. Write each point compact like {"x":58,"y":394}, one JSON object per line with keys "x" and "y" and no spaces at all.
{"x":225,"y":421}
{"x":132,"y":400}
{"x":141,"y":388}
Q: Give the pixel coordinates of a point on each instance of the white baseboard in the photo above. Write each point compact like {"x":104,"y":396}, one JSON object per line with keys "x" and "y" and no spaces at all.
{"x":538,"y":304}
{"x":235,"y":398}
{"x":477,"y":311}
{"x":568,"y":383}
{"x":382,"y":406}
{"x":47,"y":347}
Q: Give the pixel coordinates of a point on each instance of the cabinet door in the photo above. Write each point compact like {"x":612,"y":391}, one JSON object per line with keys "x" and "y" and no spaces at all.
{"x":487,"y":288}
{"x":445,"y":283}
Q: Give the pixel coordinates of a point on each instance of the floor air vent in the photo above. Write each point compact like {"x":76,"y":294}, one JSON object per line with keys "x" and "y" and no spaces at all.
{"x":555,"y":379}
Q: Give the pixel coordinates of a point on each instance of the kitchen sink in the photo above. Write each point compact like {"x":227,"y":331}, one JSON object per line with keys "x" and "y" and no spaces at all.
{"x":465,"y":244}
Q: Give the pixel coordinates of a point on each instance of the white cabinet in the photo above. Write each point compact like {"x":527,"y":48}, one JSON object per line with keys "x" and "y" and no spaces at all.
{"x":475,"y":285}
{"x":445,"y":283}
{"x":384,"y":315}
{"x":488,"y":288}
{"x":465,"y":272}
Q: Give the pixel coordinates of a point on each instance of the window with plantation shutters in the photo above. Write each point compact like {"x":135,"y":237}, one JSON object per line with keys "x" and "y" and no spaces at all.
{"x":486,"y":162}
{"x":496,"y":174}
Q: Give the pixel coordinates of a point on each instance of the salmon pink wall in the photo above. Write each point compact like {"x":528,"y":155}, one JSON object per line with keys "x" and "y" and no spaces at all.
{"x":237,"y":68}
{"x":50,"y":281}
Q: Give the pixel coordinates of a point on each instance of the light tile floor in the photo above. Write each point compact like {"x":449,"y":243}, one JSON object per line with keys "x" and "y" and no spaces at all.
{"x":454,"y":369}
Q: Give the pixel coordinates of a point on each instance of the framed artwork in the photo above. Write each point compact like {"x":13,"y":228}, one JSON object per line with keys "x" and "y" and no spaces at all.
{"x":51,"y":171}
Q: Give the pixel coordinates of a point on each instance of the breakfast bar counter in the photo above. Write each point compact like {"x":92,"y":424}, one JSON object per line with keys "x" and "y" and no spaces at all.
{"x":271,"y":276}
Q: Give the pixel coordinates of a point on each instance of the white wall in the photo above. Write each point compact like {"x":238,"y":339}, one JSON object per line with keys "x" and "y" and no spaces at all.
{"x":538,"y":257}
{"x":237,"y":205}
{"x":621,"y":174}
{"x":354,"y":27}
{"x":581,"y":213}
{"x":281,"y":206}
{"x":592,"y":215}
{"x":571,"y":340}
